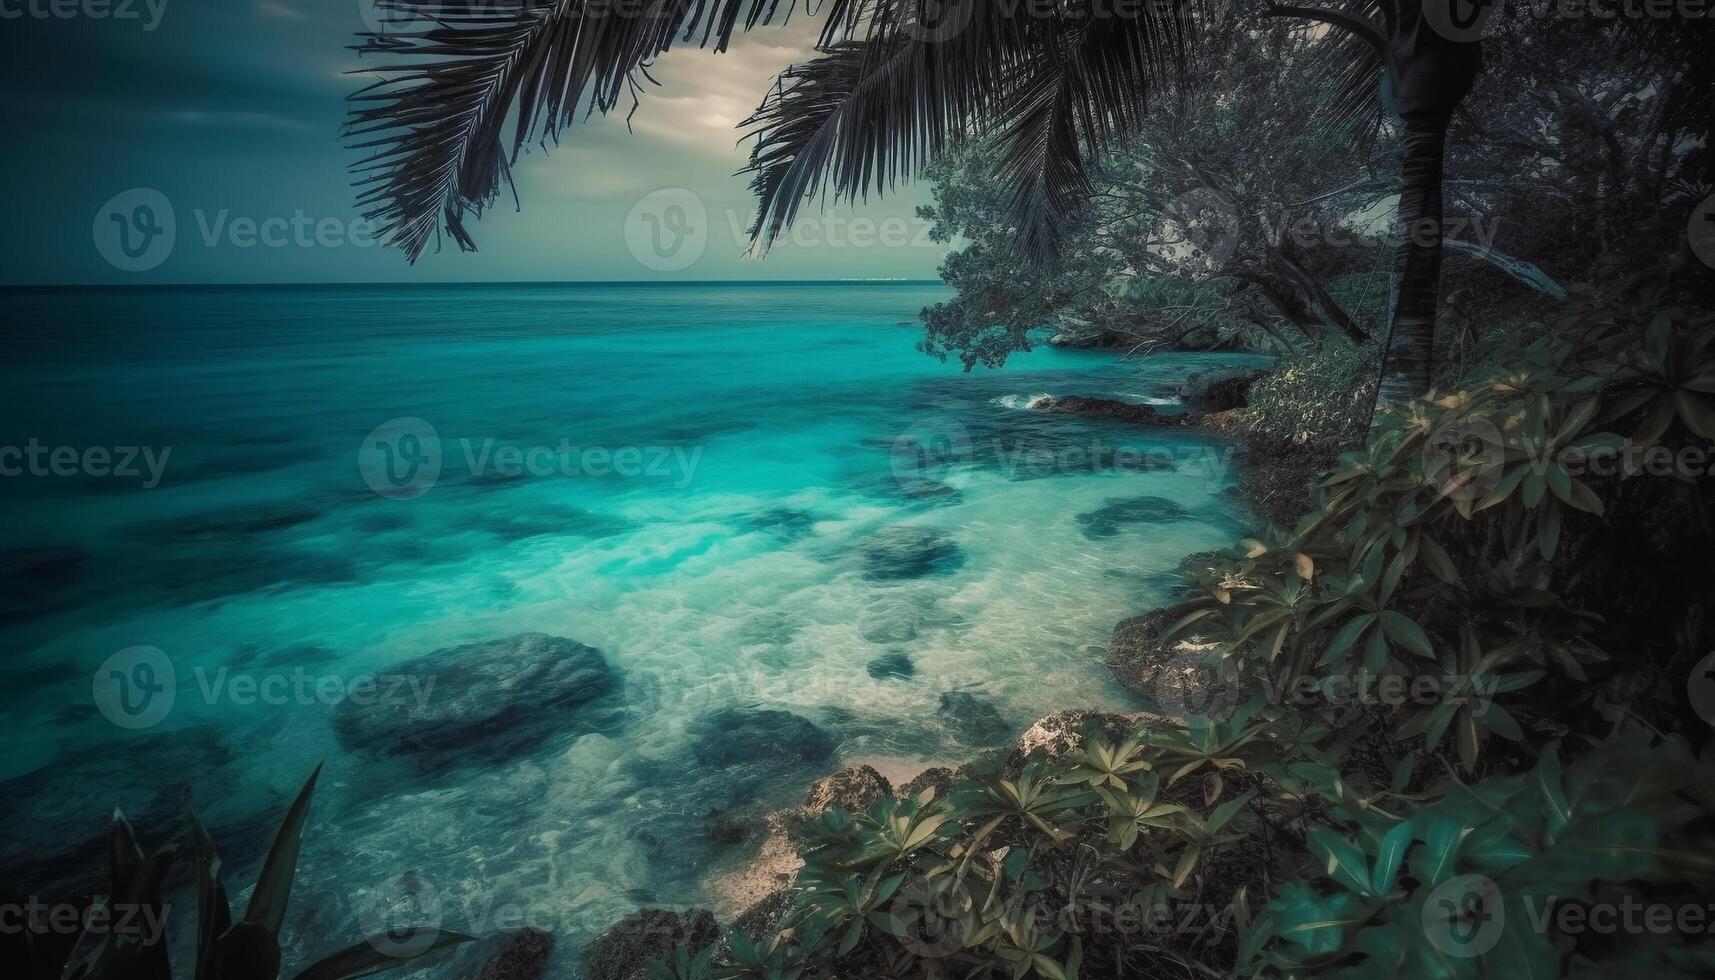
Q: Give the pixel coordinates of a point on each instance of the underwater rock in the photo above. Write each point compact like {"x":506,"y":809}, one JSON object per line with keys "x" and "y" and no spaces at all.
{"x":626,"y":949}
{"x":971,"y":718}
{"x":1105,"y":522}
{"x":849,"y":789}
{"x":523,"y":955}
{"x":895,"y":664}
{"x":902,"y":551}
{"x":733,"y":735}
{"x":57,"y":816}
{"x":1107,"y":408}
{"x":488,"y":701}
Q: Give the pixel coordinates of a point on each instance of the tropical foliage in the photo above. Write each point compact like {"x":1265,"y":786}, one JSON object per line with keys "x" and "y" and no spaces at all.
{"x":1425,"y":715}
{"x":245,"y":948}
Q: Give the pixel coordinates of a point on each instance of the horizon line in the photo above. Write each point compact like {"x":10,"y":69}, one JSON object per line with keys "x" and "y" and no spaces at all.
{"x":878,"y":281}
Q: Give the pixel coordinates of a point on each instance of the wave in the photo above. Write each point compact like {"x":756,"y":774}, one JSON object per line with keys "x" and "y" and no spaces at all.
{"x":1024,"y":402}
{"x":1021,"y":401}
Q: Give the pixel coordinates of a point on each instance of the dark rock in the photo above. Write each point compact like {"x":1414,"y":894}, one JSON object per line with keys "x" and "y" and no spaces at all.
{"x":1108,"y":521}
{"x":1219,"y":390}
{"x":903,"y":551}
{"x":895,"y":664}
{"x":626,"y":949}
{"x":57,"y":817}
{"x":938,"y":778}
{"x":488,"y":701}
{"x":734,"y":735}
{"x":1064,"y":731}
{"x":724,"y":826}
{"x":763,"y":919}
{"x":1109,"y":408}
{"x":523,"y":955}
{"x":971,"y":718}
{"x":1167,"y":677}
{"x":849,"y":789}
{"x":1085,"y":337}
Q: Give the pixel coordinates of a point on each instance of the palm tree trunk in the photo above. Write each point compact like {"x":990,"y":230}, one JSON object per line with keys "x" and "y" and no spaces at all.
{"x":1409,"y":354}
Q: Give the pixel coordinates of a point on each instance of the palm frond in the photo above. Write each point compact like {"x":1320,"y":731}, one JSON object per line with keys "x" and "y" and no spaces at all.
{"x":891,"y":90}
{"x":455,"y":70}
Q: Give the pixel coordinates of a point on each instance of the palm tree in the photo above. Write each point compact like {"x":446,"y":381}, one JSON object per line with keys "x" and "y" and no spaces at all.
{"x":896,"y":82}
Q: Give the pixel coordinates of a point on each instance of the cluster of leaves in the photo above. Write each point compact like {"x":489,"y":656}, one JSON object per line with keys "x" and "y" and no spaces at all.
{"x":1341,"y":837}
{"x":246,"y":948}
{"x":1433,"y":552}
{"x":1017,"y":872}
{"x":1473,"y":883}
{"x":1314,"y":403}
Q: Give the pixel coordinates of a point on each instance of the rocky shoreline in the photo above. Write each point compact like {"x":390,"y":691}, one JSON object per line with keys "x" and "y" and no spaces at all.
{"x":1171,"y":677}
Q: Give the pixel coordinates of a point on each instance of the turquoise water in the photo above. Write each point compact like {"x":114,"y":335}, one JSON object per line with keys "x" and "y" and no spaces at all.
{"x":742,"y":495}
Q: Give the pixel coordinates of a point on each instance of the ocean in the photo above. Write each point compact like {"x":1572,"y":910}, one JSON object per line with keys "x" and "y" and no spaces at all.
{"x":230,"y":510}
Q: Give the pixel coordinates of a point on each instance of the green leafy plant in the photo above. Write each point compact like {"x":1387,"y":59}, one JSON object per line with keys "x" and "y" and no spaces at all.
{"x":245,"y":948}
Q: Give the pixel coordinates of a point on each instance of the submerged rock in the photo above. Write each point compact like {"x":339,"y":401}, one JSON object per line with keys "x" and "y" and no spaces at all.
{"x":902,"y":551}
{"x":1108,"y":408}
{"x":971,"y":718}
{"x":734,"y":735}
{"x":57,"y":817}
{"x":626,"y":949}
{"x":895,"y":664}
{"x":849,"y":789}
{"x":484,"y":701}
{"x":1108,"y":521}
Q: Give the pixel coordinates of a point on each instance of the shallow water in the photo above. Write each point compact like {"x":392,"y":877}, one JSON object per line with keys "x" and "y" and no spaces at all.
{"x":742,"y":495}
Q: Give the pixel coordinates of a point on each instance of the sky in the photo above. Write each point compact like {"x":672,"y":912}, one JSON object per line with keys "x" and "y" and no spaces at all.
{"x":197,"y":141}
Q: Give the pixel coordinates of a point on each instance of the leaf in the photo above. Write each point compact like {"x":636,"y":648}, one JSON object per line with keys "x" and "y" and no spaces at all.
{"x":1341,"y":860}
{"x":1550,"y":786}
{"x":1433,"y":863}
{"x":1391,"y":853}
{"x":274,"y":884}
{"x":1404,"y":630}
{"x":1187,"y":864}
{"x":1348,"y":635}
